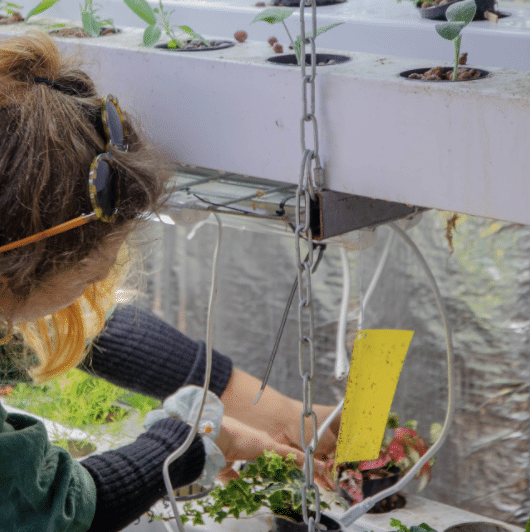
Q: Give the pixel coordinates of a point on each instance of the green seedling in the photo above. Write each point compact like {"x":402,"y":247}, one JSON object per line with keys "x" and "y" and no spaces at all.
{"x":8,"y":8}
{"x":158,"y":20}
{"x":458,"y":15}
{"x":274,"y":15}
{"x":78,"y":400}
{"x":92,"y":23}
{"x":39,"y":8}
{"x":422,"y":527}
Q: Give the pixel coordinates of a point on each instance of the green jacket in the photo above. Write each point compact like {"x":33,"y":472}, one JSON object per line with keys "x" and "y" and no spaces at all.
{"x":42,"y":489}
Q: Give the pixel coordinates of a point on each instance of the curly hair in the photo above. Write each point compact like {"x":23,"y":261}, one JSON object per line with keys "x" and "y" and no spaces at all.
{"x":48,"y":140}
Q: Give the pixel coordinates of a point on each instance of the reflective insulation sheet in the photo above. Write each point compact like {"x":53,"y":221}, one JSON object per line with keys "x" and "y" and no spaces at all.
{"x":485,"y":282}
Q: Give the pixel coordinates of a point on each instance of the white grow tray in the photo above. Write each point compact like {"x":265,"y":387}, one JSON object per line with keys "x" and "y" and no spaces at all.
{"x":418,"y":510}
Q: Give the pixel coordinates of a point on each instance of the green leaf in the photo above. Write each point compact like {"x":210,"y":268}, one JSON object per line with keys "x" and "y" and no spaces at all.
{"x":449,"y":30}
{"x":143,"y":10}
{"x":462,"y":12}
{"x":151,"y":35}
{"x":43,"y":6}
{"x":189,"y":31}
{"x":323,"y":29}
{"x":90,"y":24}
{"x":273,"y":15}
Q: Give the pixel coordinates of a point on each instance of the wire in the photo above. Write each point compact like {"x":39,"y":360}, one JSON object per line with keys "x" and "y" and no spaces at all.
{"x":361,"y":508}
{"x":341,"y":356}
{"x":209,"y":341}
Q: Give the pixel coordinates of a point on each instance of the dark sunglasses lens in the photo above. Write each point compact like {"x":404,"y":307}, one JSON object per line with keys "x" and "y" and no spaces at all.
{"x":107,"y":193}
{"x":115,"y":125}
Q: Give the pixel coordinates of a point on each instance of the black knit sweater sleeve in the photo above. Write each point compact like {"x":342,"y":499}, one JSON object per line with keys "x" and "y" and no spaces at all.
{"x":129,"y":480}
{"x":142,"y":353}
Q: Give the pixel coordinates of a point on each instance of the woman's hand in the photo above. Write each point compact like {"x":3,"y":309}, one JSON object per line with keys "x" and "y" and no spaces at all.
{"x":239,"y":441}
{"x":276,"y":413}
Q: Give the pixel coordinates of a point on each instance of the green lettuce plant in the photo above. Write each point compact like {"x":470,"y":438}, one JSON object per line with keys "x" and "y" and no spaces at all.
{"x":459,"y":15}
{"x":158,"y":20}
{"x":274,"y":15}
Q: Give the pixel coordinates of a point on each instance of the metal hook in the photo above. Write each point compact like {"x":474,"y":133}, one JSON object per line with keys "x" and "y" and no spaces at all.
{"x":321,"y":248}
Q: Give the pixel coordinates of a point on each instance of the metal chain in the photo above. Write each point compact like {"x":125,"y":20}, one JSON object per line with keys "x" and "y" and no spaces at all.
{"x":306,"y":326}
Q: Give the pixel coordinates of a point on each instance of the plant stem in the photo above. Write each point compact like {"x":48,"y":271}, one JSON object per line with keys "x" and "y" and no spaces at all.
{"x":457,"y":42}
{"x":292,"y":42}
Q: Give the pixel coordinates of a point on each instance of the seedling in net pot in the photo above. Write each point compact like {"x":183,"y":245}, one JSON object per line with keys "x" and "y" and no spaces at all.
{"x":274,"y":15}
{"x":158,"y":19}
{"x":458,"y":16}
{"x":92,"y":23}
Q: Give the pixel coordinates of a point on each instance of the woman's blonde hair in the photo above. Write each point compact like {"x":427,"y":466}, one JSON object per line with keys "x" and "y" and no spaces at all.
{"x":48,"y":140}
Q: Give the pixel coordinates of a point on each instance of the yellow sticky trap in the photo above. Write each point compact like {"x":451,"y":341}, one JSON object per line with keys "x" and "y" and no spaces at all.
{"x":377,"y":359}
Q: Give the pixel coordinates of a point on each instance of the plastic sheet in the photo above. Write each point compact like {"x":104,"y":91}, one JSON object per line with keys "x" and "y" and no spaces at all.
{"x":484,"y":466}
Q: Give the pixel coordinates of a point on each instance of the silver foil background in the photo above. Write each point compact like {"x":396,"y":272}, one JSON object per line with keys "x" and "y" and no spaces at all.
{"x":484,"y":465}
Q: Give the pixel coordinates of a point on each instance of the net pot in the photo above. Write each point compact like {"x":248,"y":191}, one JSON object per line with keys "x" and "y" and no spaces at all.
{"x":280,"y":524}
{"x":194,"y":46}
{"x":438,"y":12}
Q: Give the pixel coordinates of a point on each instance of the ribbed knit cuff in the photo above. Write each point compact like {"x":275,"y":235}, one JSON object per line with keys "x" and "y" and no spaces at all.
{"x":129,"y":479}
{"x":142,"y":353}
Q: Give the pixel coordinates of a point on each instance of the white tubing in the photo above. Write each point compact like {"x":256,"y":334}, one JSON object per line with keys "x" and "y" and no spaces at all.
{"x":209,"y":341}
{"x":341,"y":355}
{"x":361,"y":508}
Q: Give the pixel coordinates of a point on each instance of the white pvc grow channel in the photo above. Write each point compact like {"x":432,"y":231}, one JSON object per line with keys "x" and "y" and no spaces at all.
{"x":381,"y":27}
{"x":233,"y":111}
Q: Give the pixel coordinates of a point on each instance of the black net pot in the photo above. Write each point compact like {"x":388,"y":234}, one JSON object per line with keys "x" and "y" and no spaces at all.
{"x":280,"y":524}
{"x":322,"y":59}
{"x":406,"y":74}
{"x":438,"y":12}
{"x":214,"y":45}
{"x":477,"y":527}
{"x":296,"y":3}
{"x":372,"y":486}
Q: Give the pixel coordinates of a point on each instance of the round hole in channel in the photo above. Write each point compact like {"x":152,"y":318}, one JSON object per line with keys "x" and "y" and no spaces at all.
{"x":407,"y":73}
{"x":477,"y":527}
{"x":296,"y":3}
{"x":322,"y":59}
{"x":197,"y":46}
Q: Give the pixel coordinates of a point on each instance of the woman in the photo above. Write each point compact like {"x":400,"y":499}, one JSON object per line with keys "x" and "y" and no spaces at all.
{"x":75,"y":181}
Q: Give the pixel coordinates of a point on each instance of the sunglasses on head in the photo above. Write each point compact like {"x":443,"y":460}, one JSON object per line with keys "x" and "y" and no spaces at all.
{"x":103,"y":181}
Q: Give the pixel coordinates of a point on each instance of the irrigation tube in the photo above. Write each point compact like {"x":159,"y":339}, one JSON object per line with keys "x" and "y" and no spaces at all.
{"x":209,"y":342}
{"x":341,"y":355}
{"x":361,"y":508}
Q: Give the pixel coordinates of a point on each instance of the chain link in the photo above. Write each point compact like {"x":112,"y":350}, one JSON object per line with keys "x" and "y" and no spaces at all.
{"x":304,"y":237}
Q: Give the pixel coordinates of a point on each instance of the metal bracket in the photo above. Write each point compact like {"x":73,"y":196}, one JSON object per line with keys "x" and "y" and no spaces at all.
{"x":336,"y":213}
